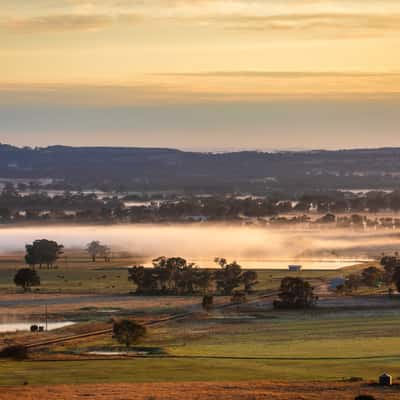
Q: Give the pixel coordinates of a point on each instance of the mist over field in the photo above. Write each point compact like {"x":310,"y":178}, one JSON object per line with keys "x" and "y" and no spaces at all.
{"x":204,"y":242}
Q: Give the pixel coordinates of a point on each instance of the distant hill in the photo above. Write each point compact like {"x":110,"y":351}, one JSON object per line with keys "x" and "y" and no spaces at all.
{"x":169,"y":169}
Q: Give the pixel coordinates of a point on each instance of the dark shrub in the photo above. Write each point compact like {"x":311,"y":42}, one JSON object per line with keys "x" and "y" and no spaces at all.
{"x":17,"y":351}
{"x":207,"y":302}
{"x":128,"y":332}
{"x":27,"y":278}
{"x":238,"y":298}
{"x":365,"y":397}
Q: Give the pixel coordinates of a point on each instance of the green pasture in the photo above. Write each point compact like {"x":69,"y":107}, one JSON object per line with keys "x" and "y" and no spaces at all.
{"x":317,"y":345}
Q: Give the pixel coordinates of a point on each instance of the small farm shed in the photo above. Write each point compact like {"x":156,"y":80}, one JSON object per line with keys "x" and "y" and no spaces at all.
{"x":335,"y":282}
{"x":385,"y":380}
{"x":295,"y":268}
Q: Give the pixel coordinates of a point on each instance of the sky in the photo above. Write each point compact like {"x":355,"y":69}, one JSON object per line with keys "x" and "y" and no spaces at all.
{"x":200,"y":74}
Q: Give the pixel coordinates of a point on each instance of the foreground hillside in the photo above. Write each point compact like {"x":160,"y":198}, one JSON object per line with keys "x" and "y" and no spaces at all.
{"x":201,"y":391}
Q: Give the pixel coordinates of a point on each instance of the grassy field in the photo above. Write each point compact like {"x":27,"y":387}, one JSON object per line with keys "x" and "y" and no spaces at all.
{"x":319,"y":345}
{"x":234,"y":345}
{"x":77,"y":274}
{"x":181,"y":370}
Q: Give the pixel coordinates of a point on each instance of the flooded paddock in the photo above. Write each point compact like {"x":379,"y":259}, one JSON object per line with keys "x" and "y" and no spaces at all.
{"x":9,"y":327}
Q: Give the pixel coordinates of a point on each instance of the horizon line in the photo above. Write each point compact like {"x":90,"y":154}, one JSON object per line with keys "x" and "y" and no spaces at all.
{"x":205,"y":150}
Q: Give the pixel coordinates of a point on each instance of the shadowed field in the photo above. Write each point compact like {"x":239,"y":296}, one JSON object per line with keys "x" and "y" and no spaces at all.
{"x":201,"y":391}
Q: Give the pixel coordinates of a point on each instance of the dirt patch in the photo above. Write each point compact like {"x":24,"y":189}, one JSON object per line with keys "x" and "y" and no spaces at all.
{"x":200,"y":391}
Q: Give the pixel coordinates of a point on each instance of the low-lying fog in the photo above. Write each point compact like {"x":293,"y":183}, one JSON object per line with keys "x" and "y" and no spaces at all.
{"x":255,"y":245}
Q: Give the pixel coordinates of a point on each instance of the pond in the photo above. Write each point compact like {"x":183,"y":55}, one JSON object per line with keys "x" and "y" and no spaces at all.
{"x":26,"y":326}
{"x":118,"y":353}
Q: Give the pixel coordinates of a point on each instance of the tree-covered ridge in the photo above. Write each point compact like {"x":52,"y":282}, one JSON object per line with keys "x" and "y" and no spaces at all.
{"x":158,"y":169}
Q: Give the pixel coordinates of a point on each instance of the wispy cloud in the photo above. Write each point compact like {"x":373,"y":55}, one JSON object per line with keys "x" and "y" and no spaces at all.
{"x":343,"y":23}
{"x":284,"y":74}
{"x":326,"y":18}
{"x":50,"y":23}
{"x":212,"y":87}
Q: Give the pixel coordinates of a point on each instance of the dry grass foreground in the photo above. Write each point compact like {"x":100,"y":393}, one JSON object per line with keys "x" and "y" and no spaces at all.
{"x":200,"y":391}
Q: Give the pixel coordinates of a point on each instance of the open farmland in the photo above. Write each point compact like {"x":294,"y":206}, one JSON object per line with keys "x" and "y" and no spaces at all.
{"x":252,"y":344}
{"x":344,"y":338}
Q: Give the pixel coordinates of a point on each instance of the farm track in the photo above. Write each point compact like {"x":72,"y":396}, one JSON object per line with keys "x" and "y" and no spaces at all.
{"x":173,"y":317}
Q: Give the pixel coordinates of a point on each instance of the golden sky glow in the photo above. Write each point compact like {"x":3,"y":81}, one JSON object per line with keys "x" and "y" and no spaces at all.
{"x":117,"y":41}
{"x":124,"y":53}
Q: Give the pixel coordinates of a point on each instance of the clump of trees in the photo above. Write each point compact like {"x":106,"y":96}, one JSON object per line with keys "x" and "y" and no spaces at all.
{"x":128,"y":332}
{"x":27,"y":278}
{"x":43,"y":252}
{"x":175,"y":276}
{"x":231,"y":276}
{"x":295,"y":293}
{"x":350,"y":284}
{"x":96,"y":249}
{"x":370,"y":277}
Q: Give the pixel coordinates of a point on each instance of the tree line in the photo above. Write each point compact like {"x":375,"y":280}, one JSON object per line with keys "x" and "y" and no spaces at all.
{"x":388,"y":274}
{"x":81,"y":207}
{"x":176,"y":276}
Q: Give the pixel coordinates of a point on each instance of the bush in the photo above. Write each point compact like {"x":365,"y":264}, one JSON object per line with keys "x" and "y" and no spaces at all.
{"x":238,"y":298}
{"x":128,"y":332}
{"x":26,"y":278}
{"x":295,"y":293}
{"x":18,"y":352}
{"x":365,"y":397}
{"x":207,"y":302}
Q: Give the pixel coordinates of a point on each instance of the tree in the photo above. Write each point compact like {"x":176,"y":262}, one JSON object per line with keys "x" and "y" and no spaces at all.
{"x":295,"y":293}
{"x":94,"y":249}
{"x":128,"y":332}
{"x":203,"y":279}
{"x":43,"y":252}
{"x":396,"y":278}
{"x":143,"y":279}
{"x":372,"y":276}
{"x":26,"y":278}
{"x":106,"y":253}
{"x":249,"y":278}
{"x":207,"y":302}
{"x":390,"y":265}
{"x":229,"y":277}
